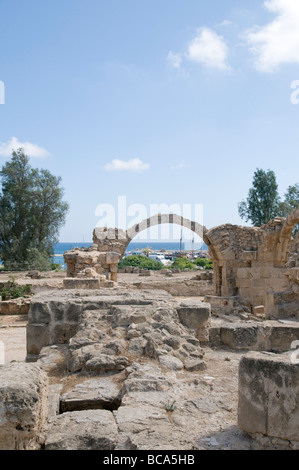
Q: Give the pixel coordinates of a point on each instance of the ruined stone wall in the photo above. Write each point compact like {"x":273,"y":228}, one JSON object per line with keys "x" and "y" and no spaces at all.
{"x":253,"y":266}
{"x":258,"y":265}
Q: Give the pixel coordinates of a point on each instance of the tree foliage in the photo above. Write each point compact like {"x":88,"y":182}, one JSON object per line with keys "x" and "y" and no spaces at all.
{"x":262,"y":201}
{"x":31,"y":213}
{"x":205,"y":263}
{"x":291,"y":201}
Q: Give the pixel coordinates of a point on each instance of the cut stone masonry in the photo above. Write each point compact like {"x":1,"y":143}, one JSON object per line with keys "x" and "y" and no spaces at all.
{"x":258,"y":266}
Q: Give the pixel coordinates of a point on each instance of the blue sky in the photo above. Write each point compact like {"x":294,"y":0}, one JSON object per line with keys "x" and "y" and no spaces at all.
{"x":163,"y":102}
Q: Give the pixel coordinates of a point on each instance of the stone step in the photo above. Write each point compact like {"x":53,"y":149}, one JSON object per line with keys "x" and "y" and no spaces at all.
{"x":269,"y":335}
{"x":92,"y":394}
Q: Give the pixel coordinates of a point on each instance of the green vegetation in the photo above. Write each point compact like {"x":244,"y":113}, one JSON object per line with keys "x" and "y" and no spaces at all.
{"x":56,"y":267}
{"x":180,"y":263}
{"x":12,"y":291}
{"x":263,"y":202}
{"x":140,"y":261}
{"x":169,"y":406}
{"x":205,"y":263}
{"x":31,"y":214}
{"x":183,"y":263}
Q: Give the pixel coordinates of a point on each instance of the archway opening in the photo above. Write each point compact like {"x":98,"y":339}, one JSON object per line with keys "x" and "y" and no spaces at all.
{"x":196,"y":233}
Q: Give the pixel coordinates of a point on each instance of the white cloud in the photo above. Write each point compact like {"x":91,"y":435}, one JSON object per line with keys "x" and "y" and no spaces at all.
{"x":174,"y":59}
{"x":32,"y":150}
{"x":135,"y":164}
{"x":277,"y":42}
{"x":209,"y":49}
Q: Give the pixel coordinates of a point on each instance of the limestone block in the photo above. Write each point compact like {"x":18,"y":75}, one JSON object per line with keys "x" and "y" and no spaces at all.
{"x":83,"y":430}
{"x":259,"y":310}
{"x":113,"y":277}
{"x":23,"y":406}
{"x":113,"y":267}
{"x":269,"y":396}
{"x":194,"y":314}
{"x":15,"y":306}
{"x":92,"y":394}
{"x":239,"y":337}
{"x":37,"y":336}
{"x":81,"y":283}
{"x":112,"y":257}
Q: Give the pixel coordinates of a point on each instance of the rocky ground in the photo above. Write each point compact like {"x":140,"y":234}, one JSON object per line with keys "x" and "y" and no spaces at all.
{"x":148,"y":403}
{"x":194,"y":410}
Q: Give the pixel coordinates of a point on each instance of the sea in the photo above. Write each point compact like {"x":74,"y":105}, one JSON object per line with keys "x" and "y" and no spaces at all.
{"x":61,"y":248}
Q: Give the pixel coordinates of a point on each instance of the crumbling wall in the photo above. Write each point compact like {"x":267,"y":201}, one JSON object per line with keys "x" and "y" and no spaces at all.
{"x":252,"y":264}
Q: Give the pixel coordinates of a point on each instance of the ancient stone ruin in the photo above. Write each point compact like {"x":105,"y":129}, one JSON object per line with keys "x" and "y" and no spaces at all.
{"x":257,"y":267}
{"x":116,"y":367}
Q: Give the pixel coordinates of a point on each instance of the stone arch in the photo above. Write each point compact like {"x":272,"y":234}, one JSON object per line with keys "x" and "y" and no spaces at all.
{"x":195,"y":227}
{"x":159,"y":219}
{"x":285,"y":237}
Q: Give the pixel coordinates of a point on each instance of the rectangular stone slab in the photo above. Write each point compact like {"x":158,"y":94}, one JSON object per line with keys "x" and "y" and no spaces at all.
{"x":269,"y":395}
{"x":92,"y":394}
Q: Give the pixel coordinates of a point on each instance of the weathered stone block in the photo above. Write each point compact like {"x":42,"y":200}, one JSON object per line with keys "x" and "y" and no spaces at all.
{"x":239,"y":337}
{"x":39,"y":312}
{"x":92,"y":395}
{"x":83,"y":430}
{"x":23,"y":406}
{"x":194,"y":315}
{"x":112,"y":257}
{"x":79,"y":283}
{"x":259,"y":310}
{"x":15,"y":306}
{"x":38,"y":335}
{"x":269,"y":396}
{"x":72,"y":312}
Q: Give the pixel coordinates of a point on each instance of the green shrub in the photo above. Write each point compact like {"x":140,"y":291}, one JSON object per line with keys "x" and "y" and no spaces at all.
{"x":209,"y":265}
{"x":183,"y":263}
{"x":56,"y":267}
{"x":204,"y":263}
{"x":13,"y":291}
{"x":140,"y":261}
{"x":200,"y":262}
